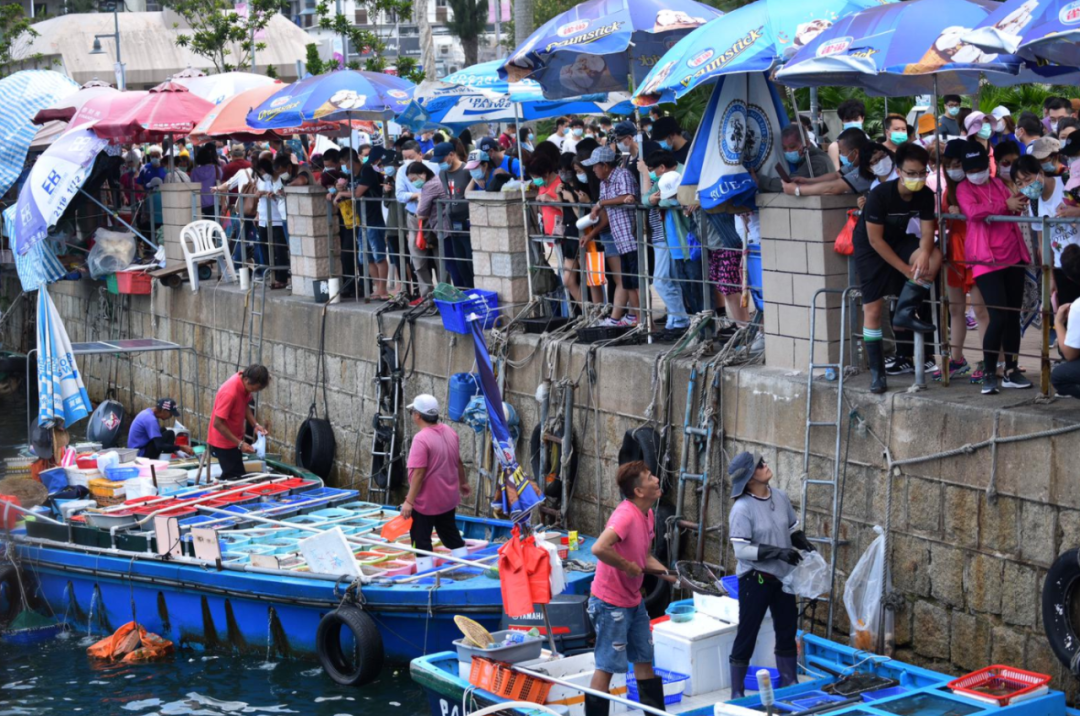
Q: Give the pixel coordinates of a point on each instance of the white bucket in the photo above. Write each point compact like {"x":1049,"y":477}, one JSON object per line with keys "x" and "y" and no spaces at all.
{"x":334,"y":289}
{"x":171,"y":480}
{"x":139,"y":487}
{"x":245,"y":278}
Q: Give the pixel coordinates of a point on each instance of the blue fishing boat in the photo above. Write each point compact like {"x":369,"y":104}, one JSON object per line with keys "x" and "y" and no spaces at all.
{"x":837,"y":680}
{"x":96,"y":579}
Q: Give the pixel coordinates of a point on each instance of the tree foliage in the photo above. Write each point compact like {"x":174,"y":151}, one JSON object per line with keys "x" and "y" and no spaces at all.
{"x":468,"y":24}
{"x":371,"y":39}
{"x":16,"y":33}
{"x":222,"y":35}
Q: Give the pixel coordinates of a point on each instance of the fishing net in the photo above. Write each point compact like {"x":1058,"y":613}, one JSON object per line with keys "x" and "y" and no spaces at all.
{"x":29,"y":619}
{"x":859,"y":683}
{"x":701,"y":578}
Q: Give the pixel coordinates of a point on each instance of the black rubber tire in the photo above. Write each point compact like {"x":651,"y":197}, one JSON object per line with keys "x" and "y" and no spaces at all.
{"x":9,"y":583}
{"x":644,"y":443}
{"x":657,"y":592}
{"x":206,"y":272}
{"x":316,"y":446}
{"x":1060,"y":591}
{"x":534,"y":464}
{"x":331,"y":655}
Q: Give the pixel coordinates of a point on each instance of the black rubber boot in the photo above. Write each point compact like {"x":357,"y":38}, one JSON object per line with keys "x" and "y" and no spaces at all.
{"x":875,"y":356}
{"x":597,"y":705}
{"x":651,"y":692}
{"x":907,"y":306}
{"x":788,"y":666}
{"x":738,"y":681}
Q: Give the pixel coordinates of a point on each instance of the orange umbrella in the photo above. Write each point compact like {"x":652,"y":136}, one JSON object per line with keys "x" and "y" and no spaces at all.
{"x":229,"y":119}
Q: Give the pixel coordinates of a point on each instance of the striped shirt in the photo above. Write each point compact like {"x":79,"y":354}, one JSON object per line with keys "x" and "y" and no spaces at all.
{"x":622,"y":219}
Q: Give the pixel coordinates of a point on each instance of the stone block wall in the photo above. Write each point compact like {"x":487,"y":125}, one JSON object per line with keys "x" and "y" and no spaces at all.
{"x":314,"y":244}
{"x":176,"y":213}
{"x":499,"y":242}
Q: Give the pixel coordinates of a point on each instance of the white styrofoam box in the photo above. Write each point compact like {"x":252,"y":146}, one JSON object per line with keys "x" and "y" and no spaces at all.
{"x":577,"y":670}
{"x":726,"y":609}
{"x":700,"y":648}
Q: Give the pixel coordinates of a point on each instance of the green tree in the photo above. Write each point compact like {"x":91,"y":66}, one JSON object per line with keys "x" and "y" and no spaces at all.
{"x":221,"y":34}
{"x":16,"y":34}
{"x":369,"y":39}
{"x":468,"y":24}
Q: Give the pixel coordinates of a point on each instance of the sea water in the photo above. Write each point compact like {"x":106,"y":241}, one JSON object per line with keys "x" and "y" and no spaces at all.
{"x":58,"y":678}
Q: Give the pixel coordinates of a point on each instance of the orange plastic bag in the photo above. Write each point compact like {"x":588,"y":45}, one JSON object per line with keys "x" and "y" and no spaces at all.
{"x":421,"y":242}
{"x":395,"y":528}
{"x":594,"y":265}
{"x":844,"y":244}
{"x":130,"y":643}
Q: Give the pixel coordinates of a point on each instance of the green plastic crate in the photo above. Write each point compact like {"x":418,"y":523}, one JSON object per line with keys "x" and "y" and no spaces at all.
{"x":111,"y":285}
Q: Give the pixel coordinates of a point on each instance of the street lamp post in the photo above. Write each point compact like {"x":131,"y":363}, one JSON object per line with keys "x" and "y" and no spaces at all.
{"x":121,"y":81}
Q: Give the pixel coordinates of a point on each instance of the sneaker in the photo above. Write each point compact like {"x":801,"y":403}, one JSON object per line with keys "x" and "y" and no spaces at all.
{"x":990,"y":385}
{"x":972,"y":322}
{"x":608,"y":322}
{"x":758,"y":346}
{"x":977,"y":373}
{"x":931,"y":367}
{"x":900,"y":366}
{"x":890,"y":362}
{"x":957,"y":369}
{"x":1015,"y":379}
{"x":628,"y":320}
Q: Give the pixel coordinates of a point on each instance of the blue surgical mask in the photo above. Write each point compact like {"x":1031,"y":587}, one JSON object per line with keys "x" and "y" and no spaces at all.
{"x":1033,"y":191}
{"x":647,"y":127}
{"x":530,"y":138}
{"x":1049,"y":167}
{"x":389,"y":171}
{"x":898,"y":137}
{"x":653,"y":177}
{"x":793,"y":157}
{"x":953,"y":111}
{"x":985,"y":131}
{"x":665,"y":145}
{"x":363,"y":160}
{"x":345,"y":170}
{"x":578,"y":131}
{"x":852,"y":125}
{"x":844,"y":161}
{"x":418,"y":183}
{"x":444,"y":166}
{"x":477,"y":174}
{"x":537,"y":181}
{"x":583,"y":178}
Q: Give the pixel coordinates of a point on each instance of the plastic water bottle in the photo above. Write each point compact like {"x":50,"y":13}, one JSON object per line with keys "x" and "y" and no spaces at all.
{"x":830,"y":374}
{"x":764,"y":684}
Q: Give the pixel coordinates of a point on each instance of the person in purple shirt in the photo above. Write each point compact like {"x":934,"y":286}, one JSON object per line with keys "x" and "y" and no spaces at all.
{"x":145,"y":433}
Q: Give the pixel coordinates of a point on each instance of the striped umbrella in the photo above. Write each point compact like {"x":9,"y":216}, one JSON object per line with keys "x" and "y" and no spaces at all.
{"x":22,"y":95}
{"x":62,"y":396}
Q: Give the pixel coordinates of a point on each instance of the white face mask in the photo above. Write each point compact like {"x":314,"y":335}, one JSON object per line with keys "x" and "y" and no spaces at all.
{"x":955,"y":174}
{"x":883,"y":168}
{"x":979,"y":178}
{"x":285,"y":177}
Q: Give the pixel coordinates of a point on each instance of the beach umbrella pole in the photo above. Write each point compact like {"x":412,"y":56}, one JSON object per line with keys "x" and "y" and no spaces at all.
{"x":116,"y":216}
{"x":802,"y":130}
{"x":524,"y":203}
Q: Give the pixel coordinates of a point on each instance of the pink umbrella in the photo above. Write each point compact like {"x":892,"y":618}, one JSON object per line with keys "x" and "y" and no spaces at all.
{"x":167,"y":110}
{"x":64,"y":109}
{"x":105,"y":105}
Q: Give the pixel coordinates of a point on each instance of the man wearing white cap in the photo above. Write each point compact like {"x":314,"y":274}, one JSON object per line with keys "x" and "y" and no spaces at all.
{"x":436,"y":482}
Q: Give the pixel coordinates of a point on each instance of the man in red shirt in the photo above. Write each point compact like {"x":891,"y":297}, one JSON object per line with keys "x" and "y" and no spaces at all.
{"x":231,"y":410}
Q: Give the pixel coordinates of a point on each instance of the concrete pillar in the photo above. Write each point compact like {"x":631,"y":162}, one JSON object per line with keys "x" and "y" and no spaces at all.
{"x":798,"y":259}
{"x":499,"y":242}
{"x":313,"y":238}
{"x":177,"y":201}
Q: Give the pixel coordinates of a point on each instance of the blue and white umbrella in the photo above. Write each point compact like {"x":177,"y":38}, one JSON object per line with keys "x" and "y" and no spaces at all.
{"x":903,"y":48}
{"x":335,"y":97}
{"x":1038,"y":30}
{"x":604,"y":45}
{"x":753,"y":38}
{"x":22,"y":95}
{"x":54,"y":180}
{"x":479,"y":94}
{"x":62,"y":396}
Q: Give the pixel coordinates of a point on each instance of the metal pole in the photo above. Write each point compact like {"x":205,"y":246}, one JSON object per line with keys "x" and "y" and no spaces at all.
{"x":524,"y":204}
{"x":119,"y":62}
{"x":1048,"y":313}
{"x":802,"y":130}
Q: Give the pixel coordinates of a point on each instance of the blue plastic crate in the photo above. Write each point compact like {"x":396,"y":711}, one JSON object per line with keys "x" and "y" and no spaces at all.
{"x":731,"y":584}
{"x":808,"y":700}
{"x":672,"y":679}
{"x":484,"y":304}
{"x":750,"y":682}
{"x":884,"y":693}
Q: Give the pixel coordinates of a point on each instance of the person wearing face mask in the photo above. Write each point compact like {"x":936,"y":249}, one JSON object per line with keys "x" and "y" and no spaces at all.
{"x":457,"y":246}
{"x":977,"y":128}
{"x":892,"y":261}
{"x":896,"y":132}
{"x":629,"y":151}
{"x":882,"y":166}
{"x":270,"y":208}
{"x":368,"y":195}
{"x":854,"y":175}
{"x":668,"y":134}
{"x":426,"y":143}
{"x":802,"y":160}
{"x":1055,"y":109}
{"x":1028,"y":129}
{"x":431,"y":190}
{"x":852,"y":113}
{"x":150,"y":179}
{"x":484,"y":174}
{"x":1046,"y":150}
{"x":500,"y":158}
{"x":668,"y":240}
{"x":507,"y":137}
{"x":409,"y":196}
{"x":1002,"y":123}
{"x":558,"y":137}
{"x":947,"y":122}
{"x":1033,"y":182}
{"x":575,"y":133}
{"x":574,"y":189}
{"x":998,"y":256}
{"x":527,"y":138}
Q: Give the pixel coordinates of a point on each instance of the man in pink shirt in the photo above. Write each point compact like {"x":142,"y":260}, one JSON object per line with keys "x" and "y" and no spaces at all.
{"x":232,"y":411}
{"x":616,"y":609}
{"x":436,"y":482}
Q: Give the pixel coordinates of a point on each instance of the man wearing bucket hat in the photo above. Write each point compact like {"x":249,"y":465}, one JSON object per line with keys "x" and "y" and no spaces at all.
{"x":437,"y":480}
{"x":762,"y":525}
{"x":145,"y":433}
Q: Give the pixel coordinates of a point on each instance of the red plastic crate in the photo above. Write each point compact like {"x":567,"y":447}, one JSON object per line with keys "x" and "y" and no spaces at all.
{"x":997,"y":677}
{"x":134,"y":282}
{"x":274,"y":489}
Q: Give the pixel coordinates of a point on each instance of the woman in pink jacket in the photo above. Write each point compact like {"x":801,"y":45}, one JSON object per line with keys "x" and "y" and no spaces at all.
{"x":997,"y":254}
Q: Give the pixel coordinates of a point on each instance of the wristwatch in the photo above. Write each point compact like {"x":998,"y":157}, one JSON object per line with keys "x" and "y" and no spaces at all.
{"x":798,"y":191}
{"x":239,"y":444}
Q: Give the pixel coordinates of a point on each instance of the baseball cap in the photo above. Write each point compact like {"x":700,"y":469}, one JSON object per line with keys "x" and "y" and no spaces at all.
{"x":625,"y":129}
{"x":442,"y":150}
{"x":168,"y":404}
{"x":600,"y":154}
{"x":956,"y":149}
{"x":425,"y":405}
{"x":974,"y":122}
{"x":475,"y":157}
{"x":975,"y":157}
{"x":1000,"y":111}
{"x":488,"y":144}
{"x":669,"y":184}
{"x":376,"y":155}
{"x":1043,"y":147}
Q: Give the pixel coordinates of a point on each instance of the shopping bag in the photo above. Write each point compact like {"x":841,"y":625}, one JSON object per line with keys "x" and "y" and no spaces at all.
{"x":862,"y":594}
{"x":421,"y":242}
{"x":594,"y":265}
{"x":810,"y":579}
{"x":844,"y":239}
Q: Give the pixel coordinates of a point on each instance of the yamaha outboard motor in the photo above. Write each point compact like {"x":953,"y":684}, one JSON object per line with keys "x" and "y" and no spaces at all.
{"x":105,"y":424}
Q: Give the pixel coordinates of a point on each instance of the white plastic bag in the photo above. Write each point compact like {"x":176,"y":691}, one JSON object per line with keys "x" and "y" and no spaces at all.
{"x":862,"y":595}
{"x":810,"y":579}
{"x":113,"y":251}
{"x":260,"y":446}
{"x":107,"y":460}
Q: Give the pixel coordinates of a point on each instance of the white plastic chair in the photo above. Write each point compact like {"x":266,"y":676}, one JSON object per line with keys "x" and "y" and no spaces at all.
{"x":207,"y":241}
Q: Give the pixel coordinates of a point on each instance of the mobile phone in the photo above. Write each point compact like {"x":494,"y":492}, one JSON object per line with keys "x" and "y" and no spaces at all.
{"x":783,"y":172}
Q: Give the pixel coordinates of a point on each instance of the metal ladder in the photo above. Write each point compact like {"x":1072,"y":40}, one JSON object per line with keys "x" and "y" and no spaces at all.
{"x":385,"y":423}
{"x":255,"y":322}
{"x":693,"y":438}
{"x":833,"y":484}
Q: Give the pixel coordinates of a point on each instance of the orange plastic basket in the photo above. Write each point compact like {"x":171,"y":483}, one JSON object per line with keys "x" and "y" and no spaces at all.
{"x":999,"y":684}
{"x":482,"y":674}
{"x":395,"y":528}
{"x":518,"y":687}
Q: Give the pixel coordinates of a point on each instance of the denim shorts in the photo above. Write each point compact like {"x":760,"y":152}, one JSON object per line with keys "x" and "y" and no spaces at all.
{"x":376,"y":245}
{"x":622,"y":636}
{"x":607,"y":241}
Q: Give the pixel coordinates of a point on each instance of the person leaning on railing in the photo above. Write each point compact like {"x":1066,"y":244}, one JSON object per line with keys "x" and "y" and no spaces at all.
{"x":854,"y":176}
{"x":802,"y":160}
{"x":457,"y":244}
{"x":1066,"y":376}
{"x":998,"y":257}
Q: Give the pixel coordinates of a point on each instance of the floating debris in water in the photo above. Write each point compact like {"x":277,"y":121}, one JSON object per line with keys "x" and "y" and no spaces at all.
{"x":394,"y":703}
{"x":140,"y":705}
{"x":311,"y":672}
{"x":320,"y":699}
